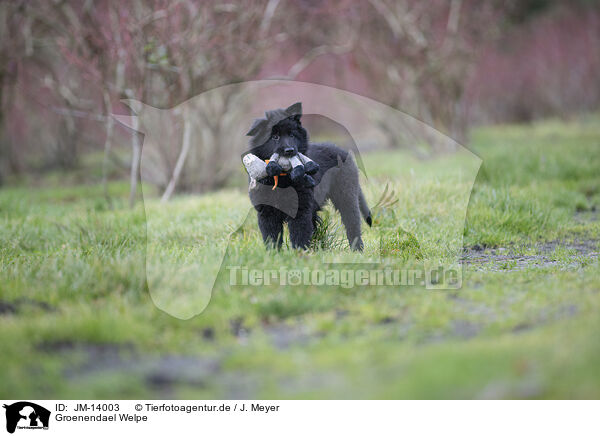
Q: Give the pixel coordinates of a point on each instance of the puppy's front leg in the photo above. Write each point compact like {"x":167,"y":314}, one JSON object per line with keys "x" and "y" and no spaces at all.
{"x":270,"y":223}
{"x":301,"y":230}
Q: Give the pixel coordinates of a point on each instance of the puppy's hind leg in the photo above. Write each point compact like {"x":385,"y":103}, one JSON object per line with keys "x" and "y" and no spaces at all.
{"x":347,"y":205}
{"x":344,"y":192}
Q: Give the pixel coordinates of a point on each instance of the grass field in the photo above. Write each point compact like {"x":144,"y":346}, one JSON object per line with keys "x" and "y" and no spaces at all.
{"x":77,"y":319}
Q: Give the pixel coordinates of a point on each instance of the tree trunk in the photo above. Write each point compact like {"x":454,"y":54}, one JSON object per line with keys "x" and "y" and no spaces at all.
{"x":185,"y":147}
{"x":136,"y":155}
{"x":107,"y":143}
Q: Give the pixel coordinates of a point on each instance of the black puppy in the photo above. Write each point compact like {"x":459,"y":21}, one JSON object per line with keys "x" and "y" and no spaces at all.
{"x":335,"y":175}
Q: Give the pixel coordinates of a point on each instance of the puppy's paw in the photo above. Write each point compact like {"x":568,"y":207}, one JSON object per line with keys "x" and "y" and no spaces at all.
{"x":309,"y":182}
{"x":297,"y":173}
{"x":311,"y":167}
{"x":274,"y":169}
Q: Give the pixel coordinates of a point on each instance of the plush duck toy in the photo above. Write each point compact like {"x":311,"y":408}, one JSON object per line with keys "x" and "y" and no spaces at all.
{"x":299,"y":167}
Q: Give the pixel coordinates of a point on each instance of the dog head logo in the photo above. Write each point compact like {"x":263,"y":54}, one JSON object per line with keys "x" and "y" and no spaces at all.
{"x":26,"y":415}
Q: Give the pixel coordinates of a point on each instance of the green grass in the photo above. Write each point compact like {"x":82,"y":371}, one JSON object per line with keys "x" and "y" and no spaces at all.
{"x":78,"y":318}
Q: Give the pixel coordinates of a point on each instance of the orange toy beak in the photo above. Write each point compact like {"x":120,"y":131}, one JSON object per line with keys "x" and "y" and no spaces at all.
{"x":275,"y":178}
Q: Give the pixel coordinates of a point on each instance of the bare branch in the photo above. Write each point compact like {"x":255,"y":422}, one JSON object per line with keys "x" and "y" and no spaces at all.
{"x":185,"y":148}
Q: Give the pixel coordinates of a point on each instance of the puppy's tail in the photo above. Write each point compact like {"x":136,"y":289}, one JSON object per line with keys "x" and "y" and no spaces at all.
{"x":364,"y":208}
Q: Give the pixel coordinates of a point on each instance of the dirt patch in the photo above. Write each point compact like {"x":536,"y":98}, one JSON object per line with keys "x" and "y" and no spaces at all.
{"x":545,"y":256}
{"x":284,"y":336}
{"x":587,"y":216}
{"x":20,"y":304}
{"x":237,"y":328}
{"x":161,"y":373}
{"x":7,"y":308}
{"x":89,"y":357}
{"x":169,"y":371}
{"x":465,"y":329}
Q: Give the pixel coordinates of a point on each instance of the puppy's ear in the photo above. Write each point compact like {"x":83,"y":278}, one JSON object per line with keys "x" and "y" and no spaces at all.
{"x":295,"y":109}
{"x":297,"y":118}
{"x":256,"y":126}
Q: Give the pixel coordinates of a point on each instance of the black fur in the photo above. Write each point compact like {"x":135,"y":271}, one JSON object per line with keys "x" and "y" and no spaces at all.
{"x":287,"y":137}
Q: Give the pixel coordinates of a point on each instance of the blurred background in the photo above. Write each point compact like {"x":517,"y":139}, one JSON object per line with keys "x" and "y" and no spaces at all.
{"x":453,"y":64}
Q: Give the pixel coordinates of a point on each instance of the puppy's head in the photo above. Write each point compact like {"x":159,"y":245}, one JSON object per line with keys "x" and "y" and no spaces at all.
{"x":279,"y":132}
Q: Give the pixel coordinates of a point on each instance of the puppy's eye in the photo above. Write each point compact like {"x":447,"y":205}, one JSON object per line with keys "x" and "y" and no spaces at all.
{"x":275,"y":137}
